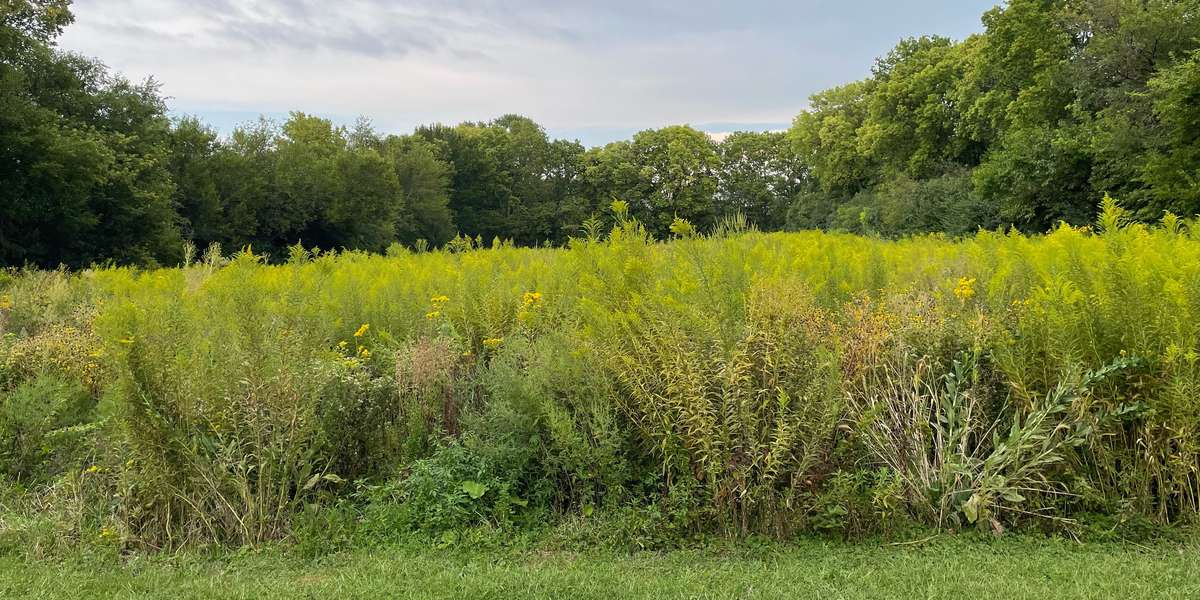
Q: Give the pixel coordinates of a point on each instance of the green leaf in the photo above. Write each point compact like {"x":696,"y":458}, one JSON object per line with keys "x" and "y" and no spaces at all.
{"x":474,"y":489}
{"x":971,"y":508}
{"x":312,"y":482}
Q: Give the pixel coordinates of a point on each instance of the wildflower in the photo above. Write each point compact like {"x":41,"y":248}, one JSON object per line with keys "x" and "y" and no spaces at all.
{"x":439,"y":300}
{"x":965,"y":290}
{"x":532,"y":298}
{"x":6,"y":302}
{"x":362,"y":330}
{"x":107,"y":534}
{"x":92,"y":469}
{"x":365,"y":353}
{"x":493,"y":343}
{"x":343,"y":344}
{"x":433,"y":315}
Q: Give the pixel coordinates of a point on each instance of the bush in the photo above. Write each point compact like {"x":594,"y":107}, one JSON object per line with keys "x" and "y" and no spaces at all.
{"x":43,"y":428}
{"x":753,"y":422}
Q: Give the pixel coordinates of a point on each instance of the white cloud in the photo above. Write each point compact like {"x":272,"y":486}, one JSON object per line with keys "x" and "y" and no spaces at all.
{"x":567,"y":64}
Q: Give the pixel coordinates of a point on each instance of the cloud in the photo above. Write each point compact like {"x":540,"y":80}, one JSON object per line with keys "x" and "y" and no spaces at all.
{"x":570,"y":64}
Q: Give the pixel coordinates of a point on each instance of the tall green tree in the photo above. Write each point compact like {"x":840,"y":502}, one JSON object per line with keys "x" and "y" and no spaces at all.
{"x":914,"y":120}
{"x":83,"y":153}
{"x":760,"y":175}
{"x":424,"y":181}
{"x":193,"y":166}
{"x":1172,"y":168}
{"x":662,"y":174}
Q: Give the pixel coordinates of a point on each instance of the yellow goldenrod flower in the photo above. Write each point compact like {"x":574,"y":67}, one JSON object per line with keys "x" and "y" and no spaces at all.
{"x":433,"y":315}
{"x":362,"y":330}
{"x":532,"y":298}
{"x":439,"y":300}
{"x":965,"y":290}
{"x":492,"y":343}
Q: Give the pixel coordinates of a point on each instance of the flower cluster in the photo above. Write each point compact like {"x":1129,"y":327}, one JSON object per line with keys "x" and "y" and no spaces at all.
{"x":529,"y":301}
{"x":965,"y":290}
{"x":437,"y":301}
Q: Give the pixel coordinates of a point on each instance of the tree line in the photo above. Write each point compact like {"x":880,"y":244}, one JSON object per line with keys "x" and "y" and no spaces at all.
{"x":1053,"y":105}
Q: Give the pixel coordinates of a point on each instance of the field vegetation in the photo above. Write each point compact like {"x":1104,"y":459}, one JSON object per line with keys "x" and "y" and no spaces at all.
{"x":910,"y":346}
{"x":730,"y":384}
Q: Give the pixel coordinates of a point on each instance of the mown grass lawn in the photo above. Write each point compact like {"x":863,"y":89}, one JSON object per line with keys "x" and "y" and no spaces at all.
{"x":942,"y":569}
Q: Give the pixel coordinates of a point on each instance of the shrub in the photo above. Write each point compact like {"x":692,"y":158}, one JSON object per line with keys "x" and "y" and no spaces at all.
{"x":40,"y":428}
{"x":752,"y":423}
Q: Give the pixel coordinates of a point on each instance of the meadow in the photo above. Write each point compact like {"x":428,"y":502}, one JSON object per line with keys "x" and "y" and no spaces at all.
{"x":620,"y":393}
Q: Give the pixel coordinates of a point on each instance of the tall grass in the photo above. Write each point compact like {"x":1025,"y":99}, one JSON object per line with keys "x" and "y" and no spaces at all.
{"x":740,"y":382}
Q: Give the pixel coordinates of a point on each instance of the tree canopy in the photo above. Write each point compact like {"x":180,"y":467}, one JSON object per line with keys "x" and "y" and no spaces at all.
{"x":1055,"y":104}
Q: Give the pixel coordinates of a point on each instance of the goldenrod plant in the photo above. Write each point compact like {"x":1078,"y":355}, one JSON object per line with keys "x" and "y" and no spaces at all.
{"x":735,"y":383}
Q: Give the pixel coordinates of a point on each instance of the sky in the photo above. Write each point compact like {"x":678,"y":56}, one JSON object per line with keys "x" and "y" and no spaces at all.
{"x":593,"y":71}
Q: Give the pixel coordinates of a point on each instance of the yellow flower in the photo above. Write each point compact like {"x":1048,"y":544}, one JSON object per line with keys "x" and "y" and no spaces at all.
{"x":364,"y":353}
{"x":362,"y":330}
{"x":343,"y":344}
{"x":532,"y":298}
{"x":107,"y":534}
{"x":492,"y":343}
{"x":965,"y":290}
{"x":433,"y":315}
{"x":439,"y":300}
{"x":6,"y":302}
{"x":92,"y":469}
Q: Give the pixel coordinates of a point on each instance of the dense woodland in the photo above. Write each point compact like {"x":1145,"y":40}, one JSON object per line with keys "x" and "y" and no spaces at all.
{"x":1055,"y":104}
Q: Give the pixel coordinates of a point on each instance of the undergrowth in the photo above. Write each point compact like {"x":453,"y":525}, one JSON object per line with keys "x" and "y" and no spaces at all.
{"x":621,"y":391}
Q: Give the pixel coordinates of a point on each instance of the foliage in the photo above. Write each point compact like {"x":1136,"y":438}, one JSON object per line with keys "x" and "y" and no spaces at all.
{"x":1026,"y":124}
{"x":733,"y":383}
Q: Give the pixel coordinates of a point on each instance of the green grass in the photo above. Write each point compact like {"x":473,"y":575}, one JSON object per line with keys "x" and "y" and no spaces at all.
{"x":943,"y":569}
